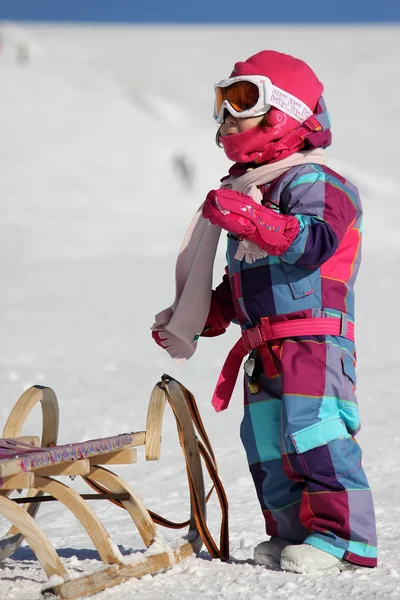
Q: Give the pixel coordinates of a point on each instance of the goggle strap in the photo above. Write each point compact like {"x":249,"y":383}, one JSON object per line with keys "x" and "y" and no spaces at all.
{"x":285,"y":102}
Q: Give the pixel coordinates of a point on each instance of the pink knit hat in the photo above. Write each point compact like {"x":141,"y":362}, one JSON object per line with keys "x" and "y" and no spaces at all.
{"x":286,"y":72}
{"x":289,"y":74}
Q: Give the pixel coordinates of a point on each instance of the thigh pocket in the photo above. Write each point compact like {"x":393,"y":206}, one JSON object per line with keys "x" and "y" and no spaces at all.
{"x":348,"y":407}
{"x":349,"y":373}
{"x":328,"y":429}
{"x":344,"y":451}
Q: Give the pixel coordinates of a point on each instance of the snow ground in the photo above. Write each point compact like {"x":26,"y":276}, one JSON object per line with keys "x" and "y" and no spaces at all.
{"x":98,"y":130}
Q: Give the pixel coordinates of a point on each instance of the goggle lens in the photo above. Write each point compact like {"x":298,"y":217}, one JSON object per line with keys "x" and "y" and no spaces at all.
{"x":241,"y":95}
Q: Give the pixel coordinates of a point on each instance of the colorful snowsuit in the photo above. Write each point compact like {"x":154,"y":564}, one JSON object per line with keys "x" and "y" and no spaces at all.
{"x":298,"y":431}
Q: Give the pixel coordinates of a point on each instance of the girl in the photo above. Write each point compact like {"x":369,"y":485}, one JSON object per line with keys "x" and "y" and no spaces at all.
{"x":294,"y":236}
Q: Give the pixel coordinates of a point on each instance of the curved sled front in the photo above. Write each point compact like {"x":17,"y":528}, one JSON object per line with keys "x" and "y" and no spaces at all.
{"x":12,"y":429}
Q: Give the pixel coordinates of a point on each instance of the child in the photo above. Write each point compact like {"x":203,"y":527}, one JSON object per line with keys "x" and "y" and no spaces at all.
{"x":294,"y":235}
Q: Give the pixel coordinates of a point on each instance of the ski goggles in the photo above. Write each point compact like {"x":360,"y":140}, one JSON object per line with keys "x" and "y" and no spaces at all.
{"x":252,"y":96}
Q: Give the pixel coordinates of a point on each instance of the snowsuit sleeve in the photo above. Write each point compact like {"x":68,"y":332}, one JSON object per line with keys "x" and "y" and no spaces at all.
{"x":325,"y":208}
{"x":221,"y":311}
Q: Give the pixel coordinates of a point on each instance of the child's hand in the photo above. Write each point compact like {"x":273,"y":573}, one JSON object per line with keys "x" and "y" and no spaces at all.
{"x":240,"y":215}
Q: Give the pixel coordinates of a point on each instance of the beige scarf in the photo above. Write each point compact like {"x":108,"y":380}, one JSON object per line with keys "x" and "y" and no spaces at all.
{"x":180,"y":325}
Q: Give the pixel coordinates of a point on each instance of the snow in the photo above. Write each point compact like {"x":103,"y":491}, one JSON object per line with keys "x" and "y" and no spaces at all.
{"x":106,"y":152}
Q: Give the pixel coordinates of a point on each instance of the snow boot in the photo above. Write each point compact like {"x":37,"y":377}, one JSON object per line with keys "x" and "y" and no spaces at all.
{"x":269,"y":553}
{"x":305,"y":558}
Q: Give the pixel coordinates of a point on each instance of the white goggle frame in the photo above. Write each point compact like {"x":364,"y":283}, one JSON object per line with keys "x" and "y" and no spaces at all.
{"x":268,"y":95}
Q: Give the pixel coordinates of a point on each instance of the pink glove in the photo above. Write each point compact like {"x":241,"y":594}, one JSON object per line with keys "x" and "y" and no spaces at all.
{"x":240,"y":215}
{"x":158,"y":340}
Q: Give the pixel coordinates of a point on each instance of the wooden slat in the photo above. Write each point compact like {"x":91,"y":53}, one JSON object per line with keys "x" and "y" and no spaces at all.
{"x":139,"y":438}
{"x":155,"y":413}
{"x":20,"y":481}
{"x":134,"y":506}
{"x":111,"y":576}
{"x":32,"y":440}
{"x":10,"y":467}
{"x":13,"y":465}
{"x":127,"y":456}
{"x":73,"y":467}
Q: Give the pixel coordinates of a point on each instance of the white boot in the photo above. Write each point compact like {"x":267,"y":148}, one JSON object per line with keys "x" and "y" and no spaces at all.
{"x":305,"y":558}
{"x":269,"y":553}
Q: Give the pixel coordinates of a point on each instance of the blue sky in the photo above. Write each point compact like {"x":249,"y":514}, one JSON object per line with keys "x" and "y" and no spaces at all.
{"x":202,"y":11}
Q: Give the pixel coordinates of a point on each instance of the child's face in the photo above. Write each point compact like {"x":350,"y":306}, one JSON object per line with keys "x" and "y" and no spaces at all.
{"x":233,"y":125}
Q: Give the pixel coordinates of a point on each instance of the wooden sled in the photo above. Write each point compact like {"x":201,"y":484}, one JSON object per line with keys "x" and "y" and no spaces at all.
{"x":27,"y":462}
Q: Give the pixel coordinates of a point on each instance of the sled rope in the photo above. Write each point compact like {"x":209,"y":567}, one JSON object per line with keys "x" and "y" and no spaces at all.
{"x":206,"y":452}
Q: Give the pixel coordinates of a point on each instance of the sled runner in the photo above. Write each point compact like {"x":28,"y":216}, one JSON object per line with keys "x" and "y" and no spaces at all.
{"x":30,"y":463}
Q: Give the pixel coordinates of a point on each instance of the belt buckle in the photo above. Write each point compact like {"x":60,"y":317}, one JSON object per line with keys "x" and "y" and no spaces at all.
{"x":253,"y":338}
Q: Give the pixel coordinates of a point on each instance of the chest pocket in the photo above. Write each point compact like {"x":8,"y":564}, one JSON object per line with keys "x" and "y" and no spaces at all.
{"x":302,"y":282}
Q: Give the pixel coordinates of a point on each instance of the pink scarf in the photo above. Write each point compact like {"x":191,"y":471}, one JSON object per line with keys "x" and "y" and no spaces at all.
{"x":269,"y":144}
{"x":180,"y":325}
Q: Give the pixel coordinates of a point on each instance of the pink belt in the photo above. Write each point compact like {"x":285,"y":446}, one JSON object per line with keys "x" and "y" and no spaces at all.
{"x":265,"y":331}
